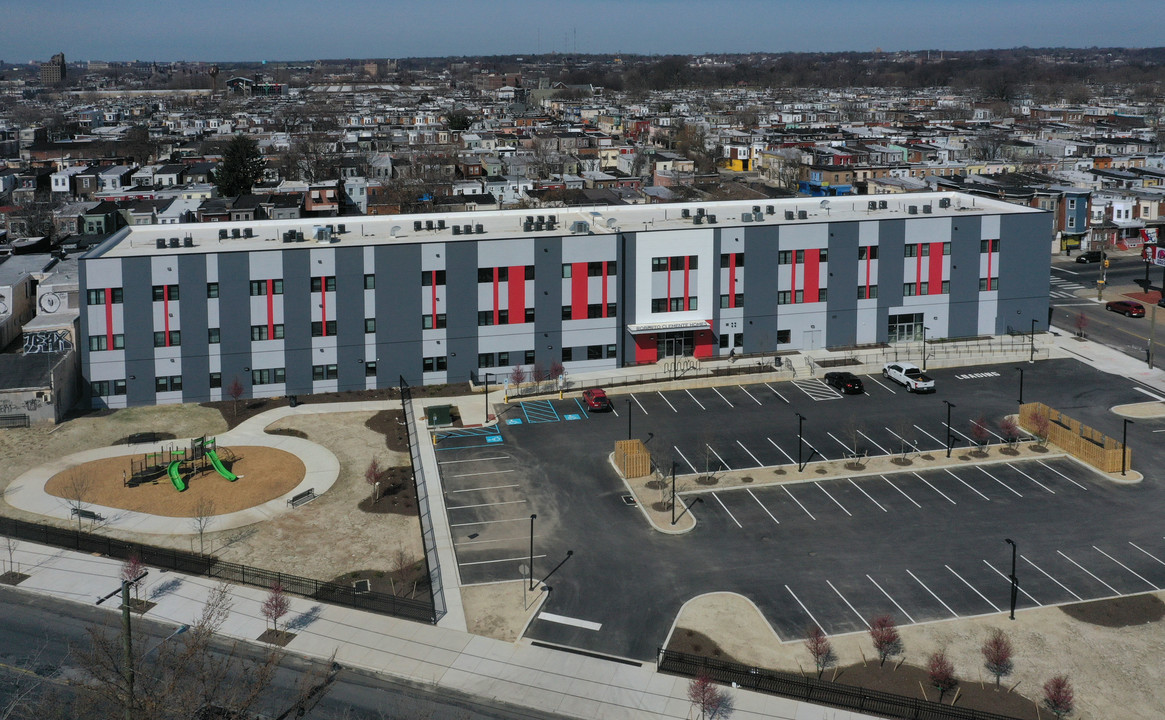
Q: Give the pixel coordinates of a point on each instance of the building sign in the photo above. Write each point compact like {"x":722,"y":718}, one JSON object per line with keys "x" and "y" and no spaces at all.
{"x":1155,"y":255}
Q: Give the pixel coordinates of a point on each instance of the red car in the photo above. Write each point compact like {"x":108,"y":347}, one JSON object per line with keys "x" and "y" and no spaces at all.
{"x":596,"y":399}
{"x":1127,"y":308}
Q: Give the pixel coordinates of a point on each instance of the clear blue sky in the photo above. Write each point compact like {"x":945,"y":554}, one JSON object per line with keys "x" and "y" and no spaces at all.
{"x":308,"y":29}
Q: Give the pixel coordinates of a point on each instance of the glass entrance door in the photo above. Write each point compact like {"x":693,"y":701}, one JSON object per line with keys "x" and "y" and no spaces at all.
{"x":676,"y":344}
{"x":905,"y":328}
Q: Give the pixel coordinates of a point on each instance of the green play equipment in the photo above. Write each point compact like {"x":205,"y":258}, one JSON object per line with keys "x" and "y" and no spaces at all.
{"x":175,"y":476}
{"x":218,"y":466}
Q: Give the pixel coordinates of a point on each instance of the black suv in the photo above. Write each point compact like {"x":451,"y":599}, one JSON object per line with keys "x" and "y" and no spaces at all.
{"x":1091,"y":256}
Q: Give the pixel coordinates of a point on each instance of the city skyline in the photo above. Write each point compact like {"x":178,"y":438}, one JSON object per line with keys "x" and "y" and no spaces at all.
{"x":216,"y":30}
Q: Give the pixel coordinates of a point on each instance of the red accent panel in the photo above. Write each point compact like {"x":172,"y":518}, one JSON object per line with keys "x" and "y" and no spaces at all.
{"x":646,"y":349}
{"x":989,"y":254}
{"x":687,"y":271}
{"x":578,"y":291}
{"x":497,"y":313}
{"x":109,"y":318}
{"x":918,"y":270}
{"x":731,"y":280}
{"x":324,"y":303}
{"x":793,"y":279}
{"x":604,"y":289}
{"x":517,"y":284}
{"x":270,"y":309}
{"x":703,"y":341}
{"x":936,"y":269}
{"x":433,"y":309}
{"x":812,"y":275}
{"x":867,"y":273}
{"x":166,"y":311}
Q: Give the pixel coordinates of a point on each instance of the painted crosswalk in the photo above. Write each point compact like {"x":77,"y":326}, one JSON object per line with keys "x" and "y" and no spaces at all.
{"x":1064,"y":289}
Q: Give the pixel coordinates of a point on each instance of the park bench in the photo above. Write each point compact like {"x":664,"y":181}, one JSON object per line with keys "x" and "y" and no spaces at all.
{"x":14,"y":421}
{"x":87,"y":514}
{"x":302,"y":498}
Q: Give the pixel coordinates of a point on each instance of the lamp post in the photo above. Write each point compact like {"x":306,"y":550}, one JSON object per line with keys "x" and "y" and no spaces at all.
{"x":1020,"y":385}
{"x":532,"y":518}
{"x":628,"y":418}
{"x":486,"y":376}
{"x":800,"y":424}
{"x":1014,"y":579}
{"x":924,"y":329}
{"x":1032,"y":357}
{"x":1125,"y":445}
{"x":673,"y":492}
{"x":949,"y":406}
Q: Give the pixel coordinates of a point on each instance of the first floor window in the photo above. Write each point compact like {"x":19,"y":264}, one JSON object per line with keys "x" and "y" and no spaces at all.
{"x":216,"y":380}
{"x":268,"y":376}
{"x":324,"y":372}
{"x":370,"y":369}
{"x":784,"y":336}
{"x":503,"y":359}
{"x":610,"y":352}
{"x":594,"y":352}
{"x":171,"y":383}
{"x":105,"y":388}
{"x":567,"y":354}
{"x":434,"y":364}
{"x":485,"y":360}
{"x":529,"y":357}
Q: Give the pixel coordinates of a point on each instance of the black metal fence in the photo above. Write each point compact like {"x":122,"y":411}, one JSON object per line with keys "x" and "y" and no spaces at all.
{"x":810,"y":689}
{"x":424,"y":510}
{"x":210,"y":566}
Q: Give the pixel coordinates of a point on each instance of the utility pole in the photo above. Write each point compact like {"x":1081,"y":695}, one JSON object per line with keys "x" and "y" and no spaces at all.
{"x":126,"y":642}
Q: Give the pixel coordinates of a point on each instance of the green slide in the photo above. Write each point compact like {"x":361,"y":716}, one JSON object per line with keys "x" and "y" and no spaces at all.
{"x":175,"y":477}
{"x":218,"y":466}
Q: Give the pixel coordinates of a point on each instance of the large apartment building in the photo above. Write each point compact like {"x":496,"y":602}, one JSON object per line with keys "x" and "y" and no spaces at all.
{"x":181,"y":313}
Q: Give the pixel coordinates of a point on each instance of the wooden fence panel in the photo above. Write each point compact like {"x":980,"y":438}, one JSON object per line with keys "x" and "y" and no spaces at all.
{"x":1079,"y":440}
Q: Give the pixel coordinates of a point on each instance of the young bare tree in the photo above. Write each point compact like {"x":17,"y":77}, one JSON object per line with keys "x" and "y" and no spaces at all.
{"x":372,"y":475}
{"x":979,"y":432}
{"x":131,"y":569}
{"x":77,"y":490}
{"x":1010,"y":430}
{"x":941,"y":673}
{"x":517,"y":377}
{"x":818,"y":645}
{"x":1058,"y":696}
{"x":997,"y":653}
{"x":275,"y":606}
{"x":235,"y":391}
{"x":708,"y":699}
{"x":1042,"y":426}
{"x":887,"y":641}
{"x":204,"y":512}
{"x":538,"y":375}
{"x":10,"y":544}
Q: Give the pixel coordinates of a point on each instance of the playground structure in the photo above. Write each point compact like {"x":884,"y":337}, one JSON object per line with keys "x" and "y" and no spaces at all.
{"x":201,"y":455}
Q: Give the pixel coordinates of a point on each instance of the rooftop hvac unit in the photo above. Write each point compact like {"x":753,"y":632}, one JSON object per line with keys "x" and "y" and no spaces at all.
{"x":912,"y":209}
{"x":700,"y":211}
{"x":478,"y":229}
{"x":539,"y":226}
{"x":711,"y":219}
{"x":161,"y":243}
{"x":288,"y":237}
{"x":188,"y":242}
{"x":699,"y":220}
{"x":944,"y":202}
{"x":685,"y":213}
{"x":530,"y":219}
{"x":578,"y":227}
{"x":540,"y":218}
{"x":756,"y":209}
{"x":872,"y":205}
{"x":428,"y":224}
{"x":440,"y":225}
{"x":247,"y":233}
{"x":926,"y":209}
{"x":788,"y":214}
{"x":174,"y":242}
{"x":467,"y":229}
{"x":526,"y":226}
{"x":745,"y":217}
{"x":416,"y":225}
{"x":222,"y":234}
{"x":881,"y":204}
{"x":341,"y":228}
{"x":456,"y":229}
{"x":802,"y":214}
{"x":770,"y":210}
{"x":551,"y":218}
{"x":236,"y":233}
{"x":299,"y":236}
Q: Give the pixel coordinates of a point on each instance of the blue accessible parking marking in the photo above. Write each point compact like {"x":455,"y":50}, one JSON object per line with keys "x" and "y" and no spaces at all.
{"x":514,"y":421}
{"x":539,"y":411}
{"x":572,"y":416}
{"x":489,"y":434}
{"x":494,"y":439}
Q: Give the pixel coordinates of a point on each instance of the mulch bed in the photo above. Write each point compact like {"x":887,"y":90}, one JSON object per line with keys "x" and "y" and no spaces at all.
{"x":276,"y":637}
{"x":146,"y":437}
{"x":141,"y":607}
{"x":397,"y":493}
{"x":905,"y":681}
{"x":396,"y":582}
{"x":697,"y":643}
{"x":391,"y":424}
{"x":289,"y":432}
{"x":1118,"y":612}
{"x":12,"y":578}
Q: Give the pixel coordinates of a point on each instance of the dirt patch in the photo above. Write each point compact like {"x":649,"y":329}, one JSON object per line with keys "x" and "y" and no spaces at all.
{"x":12,"y":578}
{"x":264,"y":474}
{"x":234,"y":412}
{"x":408,"y":581}
{"x":707,"y":480}
{"x":279,"y":638}
{"x":144,"y":437}
{"x":910,"y":681}
{"x":500,"y":610}
{"x":1118,"y":612}
{"x":288,"y":432}
{"x":139,"y":606}
{"x":391,"y":424}
{"x":397,"y":495}
{"x":697,"y":643}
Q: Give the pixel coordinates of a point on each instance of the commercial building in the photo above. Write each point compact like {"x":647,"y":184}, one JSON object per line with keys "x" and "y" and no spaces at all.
{"x":181,"y":313}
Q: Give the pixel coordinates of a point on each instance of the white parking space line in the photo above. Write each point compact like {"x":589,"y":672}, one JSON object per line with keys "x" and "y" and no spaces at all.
{"x":1146,"y":552}
{"x":969,"y":440}
{"x":639,"y":404}
{"x":948,"y":567}
{"x":693,"y":397}
{"x":1017,"y":587}
{"x":509,"y":539}
{"x":746,"y":392}
{"x":779,"y":448}
{"x":727,"y":510}
{"x":483,"y":489}
{"x":998,"y":481}
{"x":1082,"y":487}
{"x":1110,"y":587}
{"x":563,"y":620}
{"x":819,"y":453}
{"x":454,"y":462}
{"x":884,"y":450}
{"x":613,"y":410}
{"x":506,"y":502}
{"x":969,"y":487}
{"x":882,"y":384}
{"x":723,"y":398}
{"x":851,"y":607}
{"x":932,"y":487}
{"x":673,"y":407}
{"x":489,"y":562}
{"x":805,"y":609}
{"x":798,"y":502}
{"x":942,"y":443}
{"x":762,"y":507}
{"x":489,"y":522}
{"x":490,"y":472}
{"x":1037,"y":567}
{"x":758,"y":462}
{"x":1126,"y":567}
{"x":989,"y":430}
{"x":890,"y":598}
{"x":718,"y":457}
{"x":900,"y":491}
{"x":1029,"y":477}
{"x":1143,"y":390}
{"x":871,"y":499}
{"x":848,"y":449}
{"x":689,"y":462}
{"x":835,"y":502}
{"x":936,"y":597}
{"x":912,"y":446}
{"x":770,"y":387}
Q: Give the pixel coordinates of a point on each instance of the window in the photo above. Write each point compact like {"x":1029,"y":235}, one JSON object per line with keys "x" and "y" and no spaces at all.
{"x":724,"y":340}
{"x":908,"y":290}
{"x":738,"y":340}
{"x":370,"y":369}
{"x":945,"y":288}
{"x":529,"y":315}
{"x":486,"y":275}
{"x":784,"y":336}
{"x":567,"y":270}
{"x":485,"y":360}
{"x":946,"y":248}
{"x":785,"y":257}
{"x":165,"y":292}
{"x":823,"y":255}
{"x":923,"y":288}
{"x":594,"y":269}
{"x":783,"y":297}
{"x":101,"y":342}
{"x":163,"y":383}
{"x":658,"y":305}
{"x":529,"y":272}
{"x":594,"y":352}
{"x":175,"y":339}
{"x":986,"y":246}
{"x":799,"y":296}
{"x":212,"y":290}
{"x":216,"y":379}
{"x":259,"y":287}
{"x":1071,"y":221}
{"x":726,"y":260}
{"x":594,"y":310}
{"x":822,"y":294}
{"x":739,"y":300}
{"x":800,"y":257}
{"x":436,"y":322}
{"x":321,"y":284}
{"x":1071,"y":203}
{"x":528,"y":357}
{"x":369,"y":282}
{"x":911,"y":251}
{"x":868,"y":252}
{"x":503,"y":359}
{"x":434,"y":364}
{"x":319,"y":329}
{"x":610,"y":352}
{"x":268,"y":376}
{"x":97,"y":297}
{"x":659,"y":264}
{"x":213,"y":336}
{"x":428,"y":276}
{"x":567,"y":312}
{"x":611,"y":308}
{"x":369,"y":326}
{"x":873,"y":292}
{"x":611,"y":267}
{"x":324,"y":372}
{"x":985,"y":284}
{"x":263,"y":332}
{"x":105,"y":388}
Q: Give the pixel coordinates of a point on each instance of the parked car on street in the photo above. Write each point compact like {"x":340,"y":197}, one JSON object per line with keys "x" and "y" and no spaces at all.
{"x":847,"y":382}
{"x":1128,"y":308}
{"x":1091,"y":256}
{"x":596,"y":399}
{"x":908,"y":376}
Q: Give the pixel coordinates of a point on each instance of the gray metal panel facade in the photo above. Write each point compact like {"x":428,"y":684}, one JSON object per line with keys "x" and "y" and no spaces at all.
{"x":138,"y":311}
{"x":547,"y":300}
{"x":350,"y":317}
{"x":297,"y":320}
{"x":626,"y":279}
{"x":891,"y":253}
{"x":195,"y":344}
{"x":964,"y":295}
{"x":1024,"y":272}
{"x":842,"y":303}
{"x":398,"y":314}
{"x":235,"y":319}
{"x":717,"y":250}
{"x":461,"y":310}
{"x":85,"y":394}
{"x":760,"y":302}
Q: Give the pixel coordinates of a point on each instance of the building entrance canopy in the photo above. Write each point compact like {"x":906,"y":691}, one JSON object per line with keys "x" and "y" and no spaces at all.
{"x":663,"y":327}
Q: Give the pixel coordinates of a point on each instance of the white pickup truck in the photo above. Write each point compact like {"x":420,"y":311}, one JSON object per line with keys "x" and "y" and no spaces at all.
{"x":908,"y":376}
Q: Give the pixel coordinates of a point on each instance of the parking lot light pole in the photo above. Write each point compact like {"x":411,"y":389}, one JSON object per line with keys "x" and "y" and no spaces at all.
{"x":532,"y":518}
{"x":1125,"y":445}
{"x":1014,"y":579}
{"x":924,"y":329}
{"x":628,"y":418}
{"x":1032,"y":357}
{"x":1020,"y":385}
{"x":673,"y":492}
{"x":949,"y":406}
{"x":486,"y":376}
{"x":800,"y":424}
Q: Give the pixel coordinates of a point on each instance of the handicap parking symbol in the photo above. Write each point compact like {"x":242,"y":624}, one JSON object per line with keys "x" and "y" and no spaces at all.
{"x":514,"y":421}
{"x":494,"y":439}
{"x":572,"y":416}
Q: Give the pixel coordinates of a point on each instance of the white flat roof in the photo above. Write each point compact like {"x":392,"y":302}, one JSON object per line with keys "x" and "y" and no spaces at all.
{"x":141,"y":240}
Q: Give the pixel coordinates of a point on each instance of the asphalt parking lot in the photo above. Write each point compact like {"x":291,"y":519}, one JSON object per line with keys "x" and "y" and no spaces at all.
{"x":920,"y":546}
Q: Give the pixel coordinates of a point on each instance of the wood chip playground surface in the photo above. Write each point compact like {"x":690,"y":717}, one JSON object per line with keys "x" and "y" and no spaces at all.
{"x":264,"y":474}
